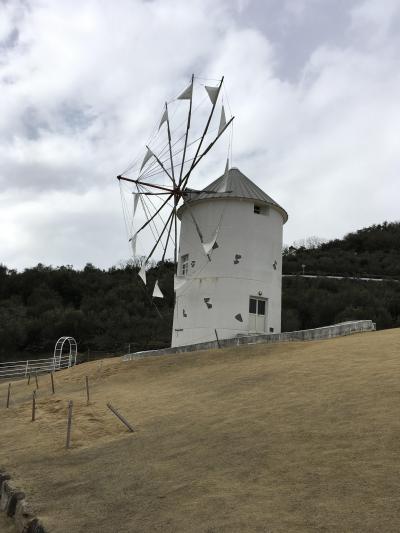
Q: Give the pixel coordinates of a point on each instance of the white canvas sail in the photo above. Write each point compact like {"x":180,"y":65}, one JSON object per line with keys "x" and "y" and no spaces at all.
{"x":224,"y":182}
{"x":186,"y":94}
{"x":222,"y":120}
{"x":208,"y":246}
{"x":157,"y":291}
{"x":133,"y":244}
{"x":142,"y":273}
{"x":212,"y":93}
{"x":164,"y":118}
{"x":135,"y":201}
{"x":149,"y":155}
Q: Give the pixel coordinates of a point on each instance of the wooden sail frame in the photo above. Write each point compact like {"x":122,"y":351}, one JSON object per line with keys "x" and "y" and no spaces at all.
{"x":172,"y":193}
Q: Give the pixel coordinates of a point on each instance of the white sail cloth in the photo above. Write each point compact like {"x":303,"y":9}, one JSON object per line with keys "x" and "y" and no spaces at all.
{"x":222,"y":121}
{"x":164,"y":118}
{"x":142,"y":273}
{"x":149,"y":155}
{"x":133,"y":244}
{"x":208,"y":246}
{"x":224,"y":182}
{"x":213,"y":93}
{"x":187,"y":93}
{"x":157,"y":291}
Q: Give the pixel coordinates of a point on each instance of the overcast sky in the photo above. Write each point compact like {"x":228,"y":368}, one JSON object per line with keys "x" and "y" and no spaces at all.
{"x":314,"y":86}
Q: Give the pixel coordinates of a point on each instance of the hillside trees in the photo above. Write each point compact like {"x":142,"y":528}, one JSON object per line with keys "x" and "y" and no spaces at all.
{"x":107,"y":309}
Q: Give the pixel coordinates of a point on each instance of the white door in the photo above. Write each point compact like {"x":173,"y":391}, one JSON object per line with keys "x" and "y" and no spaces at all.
{"x":258,"y":314}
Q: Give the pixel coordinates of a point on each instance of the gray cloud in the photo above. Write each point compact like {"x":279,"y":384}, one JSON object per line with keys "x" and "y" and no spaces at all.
{"x":314,"y":86}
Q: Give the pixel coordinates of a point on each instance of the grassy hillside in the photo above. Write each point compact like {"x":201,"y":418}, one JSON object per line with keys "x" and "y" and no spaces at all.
{"x":296,"y":437}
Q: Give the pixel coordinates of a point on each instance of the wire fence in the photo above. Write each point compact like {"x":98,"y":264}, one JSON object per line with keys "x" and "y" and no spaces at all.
{"x":22,"y":369}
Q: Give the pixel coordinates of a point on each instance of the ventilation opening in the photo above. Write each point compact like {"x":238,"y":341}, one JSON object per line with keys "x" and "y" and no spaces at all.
{"x":261,"y":209}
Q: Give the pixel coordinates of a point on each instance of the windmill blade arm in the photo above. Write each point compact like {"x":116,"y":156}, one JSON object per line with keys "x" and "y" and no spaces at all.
{"x":197,"y":161}
{"x":163,"y":167}
{"x":161,"y":234}
{"x":139,"y":182}
{"x":154,"y":215}
{"x":168,"y":237}
{"x":181,"y":180}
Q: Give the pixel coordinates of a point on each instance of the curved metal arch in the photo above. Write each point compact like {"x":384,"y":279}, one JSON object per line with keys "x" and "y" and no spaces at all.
{"x":59,"y":348}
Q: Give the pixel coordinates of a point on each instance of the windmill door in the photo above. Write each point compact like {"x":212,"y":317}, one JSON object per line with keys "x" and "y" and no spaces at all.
{"x":258,"y":314}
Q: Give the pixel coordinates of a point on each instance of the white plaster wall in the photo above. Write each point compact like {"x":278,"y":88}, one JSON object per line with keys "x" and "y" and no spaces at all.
{"x":258,"y":239}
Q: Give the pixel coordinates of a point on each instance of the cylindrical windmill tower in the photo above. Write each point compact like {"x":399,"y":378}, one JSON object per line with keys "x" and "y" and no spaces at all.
{"x":230,"y":262}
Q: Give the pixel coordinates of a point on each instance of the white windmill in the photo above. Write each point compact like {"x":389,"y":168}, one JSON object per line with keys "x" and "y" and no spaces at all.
{"x":230,"y":283}
{"x":228,"y":263}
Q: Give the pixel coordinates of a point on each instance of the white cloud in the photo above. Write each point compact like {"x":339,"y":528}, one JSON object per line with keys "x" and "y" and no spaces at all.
{"x":82,"y":88}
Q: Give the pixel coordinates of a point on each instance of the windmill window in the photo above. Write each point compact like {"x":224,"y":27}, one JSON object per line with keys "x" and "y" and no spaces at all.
{"x":261,"y":209}
{"x":253,"y":306}
{"x":185,"y":264}
{"x":257,"y":306}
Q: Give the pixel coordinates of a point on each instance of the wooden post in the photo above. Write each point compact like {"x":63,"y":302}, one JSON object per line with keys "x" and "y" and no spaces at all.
{"x":118,"y":415}
{"x":29,"y":377}
{"x":87,"y":391}
{"x":216,"y":334}
{"x":52,"y":381}
{"x":8,"y":395}
{"x":33,"y":406}
{"x":69,"y":424}
{"x":37,"y":383}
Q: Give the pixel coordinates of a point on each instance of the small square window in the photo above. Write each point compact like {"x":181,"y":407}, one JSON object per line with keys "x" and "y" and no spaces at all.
{"x":261,"y":209}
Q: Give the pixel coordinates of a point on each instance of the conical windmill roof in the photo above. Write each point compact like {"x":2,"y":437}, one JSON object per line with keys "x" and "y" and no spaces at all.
{"x":237,"y":185}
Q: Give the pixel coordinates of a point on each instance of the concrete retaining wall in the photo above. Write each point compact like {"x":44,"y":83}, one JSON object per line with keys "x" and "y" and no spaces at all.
{"x":327,"y":332}
{"x":14,"y":504}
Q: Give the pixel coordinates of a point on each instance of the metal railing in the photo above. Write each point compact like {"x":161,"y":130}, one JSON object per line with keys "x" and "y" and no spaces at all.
{"x":22,"y":369}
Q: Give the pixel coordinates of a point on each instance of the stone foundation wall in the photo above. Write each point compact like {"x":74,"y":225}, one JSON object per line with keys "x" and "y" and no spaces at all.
{"x":327,"y":332}
{"x":14,"y":504}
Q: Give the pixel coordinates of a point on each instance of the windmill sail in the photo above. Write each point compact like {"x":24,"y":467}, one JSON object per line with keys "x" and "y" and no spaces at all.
{"x":187,"y":93}
{"x":213,"y":93}
{"x":133,"y":244}
{"x":149,"y":155}
{"x":157,"y":291}
{"x":164,"y":118}
{"x":222,"y":121}
{"x":224,"y":182}
{"x":208,"y":246}
{"x":142,"y":273}
{"x":160,"y":177}
{"x":135,"y":201}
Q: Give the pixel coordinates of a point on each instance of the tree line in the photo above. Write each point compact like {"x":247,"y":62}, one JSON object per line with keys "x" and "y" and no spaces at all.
{"x":109,"y":309}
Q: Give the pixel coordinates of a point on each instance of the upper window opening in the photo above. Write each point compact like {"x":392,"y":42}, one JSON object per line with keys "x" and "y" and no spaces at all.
{"x":261,"y":209}
{"x":185,"y":264}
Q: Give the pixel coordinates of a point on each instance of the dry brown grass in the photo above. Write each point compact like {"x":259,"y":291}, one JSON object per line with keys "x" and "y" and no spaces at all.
{"x":6,"y":524}
{"x":298,"y":437}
